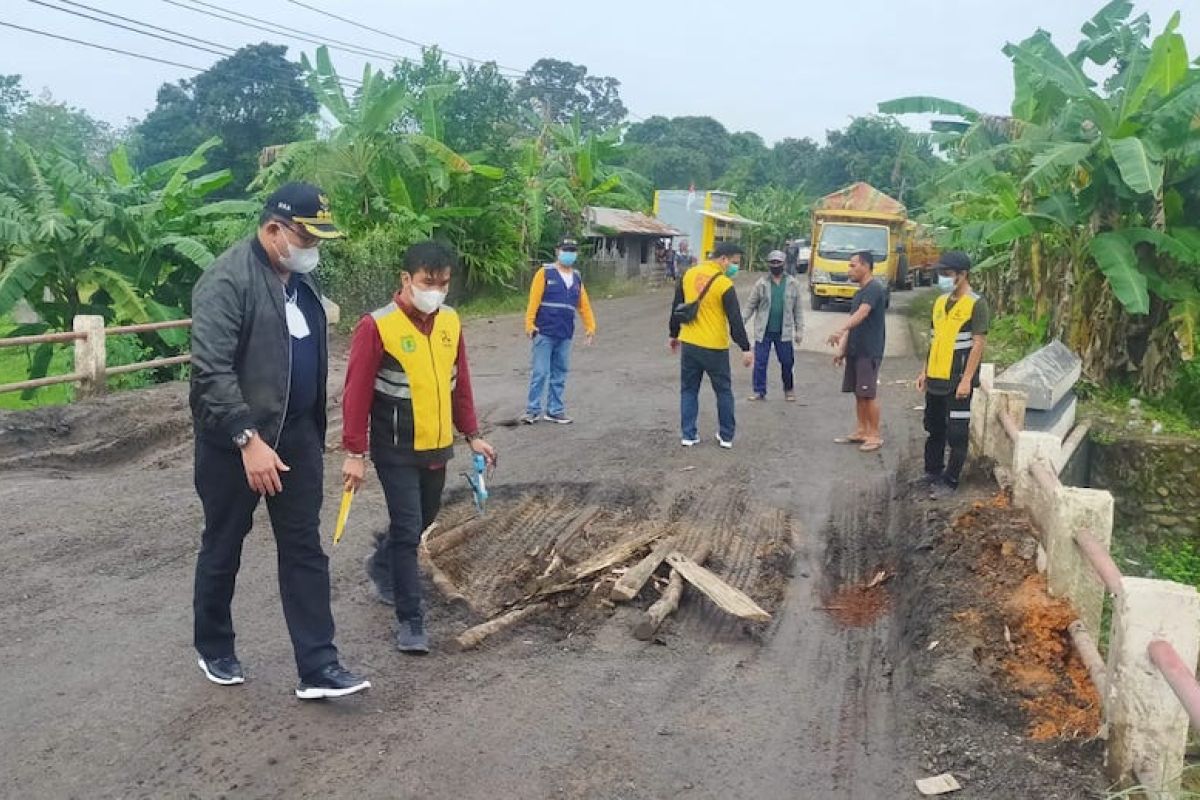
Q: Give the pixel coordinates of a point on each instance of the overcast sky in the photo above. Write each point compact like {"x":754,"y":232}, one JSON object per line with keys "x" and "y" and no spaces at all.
{"x":780,"y":68}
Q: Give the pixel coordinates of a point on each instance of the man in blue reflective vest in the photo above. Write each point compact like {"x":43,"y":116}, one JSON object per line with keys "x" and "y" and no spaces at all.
{"x":555,"y":295}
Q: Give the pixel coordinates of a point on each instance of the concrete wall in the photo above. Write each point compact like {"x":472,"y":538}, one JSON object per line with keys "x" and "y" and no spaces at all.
{"x":1155,"y":480}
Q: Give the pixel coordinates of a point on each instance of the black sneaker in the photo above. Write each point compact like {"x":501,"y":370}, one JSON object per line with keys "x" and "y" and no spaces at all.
{"x":411,"y":637}
{"x":942,"y":490}
{"x":926,"y":481}
{"x":561,"y":419}
{"x":380,"y":581}
{"x":226,"y":671}
{"x":332,"y":680}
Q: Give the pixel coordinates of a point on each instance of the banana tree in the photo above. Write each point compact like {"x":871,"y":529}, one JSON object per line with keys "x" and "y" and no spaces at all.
{"x":385,"y":161}
{"x":126,"y":246}
{"x":580,"y":172}
{"x":1104,"y":180}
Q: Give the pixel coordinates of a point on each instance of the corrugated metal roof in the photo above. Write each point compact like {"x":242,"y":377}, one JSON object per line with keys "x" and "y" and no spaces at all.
{"x":730,"y":217}
{"x":605,"y":221}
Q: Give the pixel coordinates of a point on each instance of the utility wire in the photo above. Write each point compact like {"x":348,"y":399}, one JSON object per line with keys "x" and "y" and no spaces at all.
{"x":100,"y":46}
{"x":221,"y":53}
{"x":390,"y":35}
{"x":144,"y":24}
{"x":239,"y":18}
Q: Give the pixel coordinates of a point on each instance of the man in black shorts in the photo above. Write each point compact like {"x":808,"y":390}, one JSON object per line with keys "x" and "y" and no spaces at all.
{"x":860,"y":344}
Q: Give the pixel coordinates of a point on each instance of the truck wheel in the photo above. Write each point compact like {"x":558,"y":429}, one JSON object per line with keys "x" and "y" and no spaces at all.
{"x":902,"y":274}
{"x":816,"y":302}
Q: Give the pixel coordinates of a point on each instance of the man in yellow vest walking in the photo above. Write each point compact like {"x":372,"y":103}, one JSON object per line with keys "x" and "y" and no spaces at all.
{"x":705,"y":293}
{"x":960,"y":324}
{"x":408,"y":387}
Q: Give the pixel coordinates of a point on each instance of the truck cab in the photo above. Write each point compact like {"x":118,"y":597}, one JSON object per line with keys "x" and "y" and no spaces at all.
{"x":834,"y":242}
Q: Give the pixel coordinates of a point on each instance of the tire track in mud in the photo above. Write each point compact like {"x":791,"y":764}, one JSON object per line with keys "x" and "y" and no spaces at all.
{"x":858,"y":544}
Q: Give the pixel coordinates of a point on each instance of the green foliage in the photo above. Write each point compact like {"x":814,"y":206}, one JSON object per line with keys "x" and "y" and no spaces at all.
{"x":126,"y":246}
{"x":253,"y":99}
{"x":1083,"y":199}
{"x":562,"y":93}
{"x":784,"y":215}
{"x":52,"y":125}
{"x":676,"y":153}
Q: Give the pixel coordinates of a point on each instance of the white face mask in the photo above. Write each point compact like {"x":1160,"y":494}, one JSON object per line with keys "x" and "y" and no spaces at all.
{"x":946,"y":283}
{"x":427,"y":301}
{"x":300,"y":260}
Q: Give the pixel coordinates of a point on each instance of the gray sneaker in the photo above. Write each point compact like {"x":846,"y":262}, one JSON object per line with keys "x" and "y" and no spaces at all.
{"x":529,"y":419}
{"x":381,"y":582}
{"x":411,"y":637}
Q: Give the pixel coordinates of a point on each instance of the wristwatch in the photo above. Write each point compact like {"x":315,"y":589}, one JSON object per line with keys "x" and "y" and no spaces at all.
{"x":242,"y":438}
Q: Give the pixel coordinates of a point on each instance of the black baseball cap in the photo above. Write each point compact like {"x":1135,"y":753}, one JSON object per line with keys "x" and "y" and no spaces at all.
{"x":305,"y":205}
{"x":568,"y":244}
{"x":955,"y":261}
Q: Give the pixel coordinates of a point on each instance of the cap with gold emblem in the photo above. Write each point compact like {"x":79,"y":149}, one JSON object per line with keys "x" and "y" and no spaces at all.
{"x":306,"y":206}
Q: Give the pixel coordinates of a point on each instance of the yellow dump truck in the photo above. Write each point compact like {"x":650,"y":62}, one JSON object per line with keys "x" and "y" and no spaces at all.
{"x":860,"y":217}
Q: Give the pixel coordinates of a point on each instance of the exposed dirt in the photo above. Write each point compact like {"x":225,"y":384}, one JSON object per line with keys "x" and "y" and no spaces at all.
{"x":101,"y":525}
{"x":1002,"y":701}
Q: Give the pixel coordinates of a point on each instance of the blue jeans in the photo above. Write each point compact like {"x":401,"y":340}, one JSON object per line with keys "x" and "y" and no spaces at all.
{"x":762,"y":354}
{"x":694,"y":362}
{"x":551,"y":362}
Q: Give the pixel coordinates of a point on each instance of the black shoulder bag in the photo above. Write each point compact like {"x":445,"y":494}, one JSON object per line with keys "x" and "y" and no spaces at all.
{"x":686,"y":312}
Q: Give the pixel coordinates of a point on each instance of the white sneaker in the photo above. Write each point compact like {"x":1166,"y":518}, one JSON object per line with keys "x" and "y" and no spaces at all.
{"x":689,"y":442}
{"x":723,"y":443}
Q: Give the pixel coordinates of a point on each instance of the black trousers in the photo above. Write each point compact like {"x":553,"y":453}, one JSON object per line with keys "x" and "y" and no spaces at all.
{"x":414,"y":498}
{"x":229,"y":505}
{"x":948,"y":422}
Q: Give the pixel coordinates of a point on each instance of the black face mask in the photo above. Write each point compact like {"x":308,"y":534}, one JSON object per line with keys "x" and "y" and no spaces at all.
{"x":776,"y":270}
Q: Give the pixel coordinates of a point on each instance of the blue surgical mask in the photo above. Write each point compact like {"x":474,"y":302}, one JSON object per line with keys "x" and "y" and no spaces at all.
{"x":946,"y":283}
{"x":731,"y":270}
{"x":567,"y":257}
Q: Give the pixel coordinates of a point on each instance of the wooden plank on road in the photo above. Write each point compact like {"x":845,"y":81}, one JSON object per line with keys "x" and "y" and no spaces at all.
{"x":731,"y":600}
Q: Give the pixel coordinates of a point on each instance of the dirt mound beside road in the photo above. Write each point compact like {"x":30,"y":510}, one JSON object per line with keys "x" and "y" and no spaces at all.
{"x":1001,"y":699}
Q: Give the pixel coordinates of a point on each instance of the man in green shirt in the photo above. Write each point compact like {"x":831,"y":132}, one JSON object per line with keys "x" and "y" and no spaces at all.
{"x":780,"y":324}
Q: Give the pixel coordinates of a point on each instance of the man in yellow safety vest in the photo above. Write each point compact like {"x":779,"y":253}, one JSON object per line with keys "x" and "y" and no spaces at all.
{"x":960,"y":324}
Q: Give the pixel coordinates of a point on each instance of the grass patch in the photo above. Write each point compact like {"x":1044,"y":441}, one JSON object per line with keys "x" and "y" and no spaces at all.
{"x":15,"y":363}
{"x":1117,"y":406}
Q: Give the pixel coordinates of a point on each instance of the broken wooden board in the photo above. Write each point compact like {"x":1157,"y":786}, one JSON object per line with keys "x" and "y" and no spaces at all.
{"x":455,"y":536}
{"x":635,"y":577}
{"x":666,"y":605}
{"x":567,"y":535}
{"x":439,"y":578}
{"x":472,"y":637}
{"x":566,"y":579}
{"x":729,"y":599}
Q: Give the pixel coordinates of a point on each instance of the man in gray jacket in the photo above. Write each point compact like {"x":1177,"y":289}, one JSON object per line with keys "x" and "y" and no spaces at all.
{"x":779,"y":322}
{"x":259,"y":364}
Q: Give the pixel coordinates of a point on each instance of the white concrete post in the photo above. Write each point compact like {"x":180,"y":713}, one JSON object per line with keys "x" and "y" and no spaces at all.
{"x":1147,"y":725}
{"x":981,"y":404}
{"x":1068,"y":573}
{"x":1031,"y":446}
{"x":333,"y":312}
{"x":90,"y":357}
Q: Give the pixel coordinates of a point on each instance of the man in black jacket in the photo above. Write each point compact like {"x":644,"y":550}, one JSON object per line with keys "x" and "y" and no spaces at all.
{"x":259,"y":365}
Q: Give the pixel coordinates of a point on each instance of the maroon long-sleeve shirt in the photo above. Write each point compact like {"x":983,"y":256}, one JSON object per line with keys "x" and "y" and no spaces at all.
{"x":366,"y":351}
